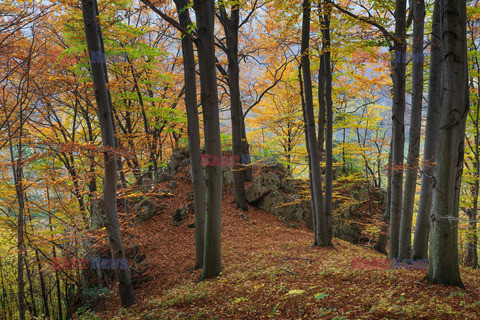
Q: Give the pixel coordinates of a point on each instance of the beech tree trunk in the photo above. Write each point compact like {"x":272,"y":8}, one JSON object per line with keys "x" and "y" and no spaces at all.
{"x":230,"y":26}
{"x":443,"y":262}
{"x":247,"y":172}
{"x":398,"y":127}
{"x":471,"y":257}
{"x":321,"y":102}
{"x":92,"y":33}
{"x":320,"y":223}
{"x":17,"y":169}
{"x":16,"y":158}
{"x":329,"y":121}
{"x":381,"y":244}
{"x":193,"y":133}
{"x":415,"y":130}
{"x":422,"y":226}
{"x":204,"y":10}
{"x":309,"y":222}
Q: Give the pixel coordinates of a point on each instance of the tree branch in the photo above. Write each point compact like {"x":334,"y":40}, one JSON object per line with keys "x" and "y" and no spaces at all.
{"x":382,"y":29}
{"x":170,"y":20}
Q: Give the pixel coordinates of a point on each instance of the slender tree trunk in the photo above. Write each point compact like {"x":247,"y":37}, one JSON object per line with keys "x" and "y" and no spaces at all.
{"x":381,"y":244}
{"x":321,"y":101}
{"x":415,"y":130}
{"x":310,"y":223}
{"x":247,"y":172}
{"x":321,"y":128}
{"x":422,"y":226}
{"x":57,"y":276}
{"x":17,"y":172}
{"x":193,"y":133}
{"x":329,"y":121}
{"x":33,"y":307}
{"x":204,"y":10}
{"x":20,"y":245}
{"x":43,"y":288}
{"x":89,"y":9}
{"x":230,"y":25}
{"x":5,"y":305}
{"x":471,"y":258}
{"x":398,"y":115}
{"x":443,"y":262}
{"x":322,"y":235}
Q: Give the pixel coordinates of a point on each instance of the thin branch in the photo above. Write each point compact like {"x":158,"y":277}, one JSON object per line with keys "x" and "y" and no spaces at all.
{"x":170,"y":20}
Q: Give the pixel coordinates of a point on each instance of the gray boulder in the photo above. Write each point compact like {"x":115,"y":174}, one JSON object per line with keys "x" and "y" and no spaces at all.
{"x":278,"y":169}
{"x":144,"y":210}
{"x":347,"y":230}
{"x":163,"y":175}
{"x":288,"y":185}
{"x":345,"y":227}
{"x":285,"y":207}
{"x":227,"y":175}
{"x":262,"y":185}
{"x":180,"y":214}
{"x":174,"y":162}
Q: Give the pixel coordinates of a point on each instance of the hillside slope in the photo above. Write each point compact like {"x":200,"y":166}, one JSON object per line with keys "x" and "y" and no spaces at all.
{"x":271,"y":271}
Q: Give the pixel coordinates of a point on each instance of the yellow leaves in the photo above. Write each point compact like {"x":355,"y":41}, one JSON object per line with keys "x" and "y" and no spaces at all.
{"x":294,"y":292}
{"x":258,"y":286}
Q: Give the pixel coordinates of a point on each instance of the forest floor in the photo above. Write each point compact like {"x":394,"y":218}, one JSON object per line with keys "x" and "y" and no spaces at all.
{"x":271,"y":271}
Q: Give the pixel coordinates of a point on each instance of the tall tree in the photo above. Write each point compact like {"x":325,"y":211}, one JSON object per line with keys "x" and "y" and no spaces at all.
{"x":420,"y":240}
{"x":322,"y":234}
{"x":99,"y":76}
{"x":471,"y":256}
{"x":231,"y":24}
{"x":382,"y":241}
{"x":204,"y":10}
{"x":443,"y":263}
{"x":398,"y":113}
{"x":193,"y":131}
{"x":418,"y":8}
{"x":329,"y":118}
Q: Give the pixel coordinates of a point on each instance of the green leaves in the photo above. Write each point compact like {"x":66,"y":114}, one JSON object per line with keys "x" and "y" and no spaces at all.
{"x":321,"y":295}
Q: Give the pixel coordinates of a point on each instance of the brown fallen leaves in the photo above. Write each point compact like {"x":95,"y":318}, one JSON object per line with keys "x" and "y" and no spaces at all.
{"x":271,"y":271}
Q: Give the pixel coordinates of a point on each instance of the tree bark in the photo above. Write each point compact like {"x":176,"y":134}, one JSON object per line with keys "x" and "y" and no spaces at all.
{"x":443,"y":262}
{"x":329,"y":121}
{"x":230,"y":26}
{"x":321,"y":232}
{"x":17,"y":173}
{"x":381,"y":244}
{"x":422,"y":226}
{"x":309,"y":223}
{"x":247,"y":172}
{"x":204,"y":10}
{"x":415,"y":130}
{"x":321,"y":103}
{"x":471,"y":257}
{"x":398,"y":125}
{"x":193,"y":133}
{"x":89,"y":9}
{"x":18,"y":179}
